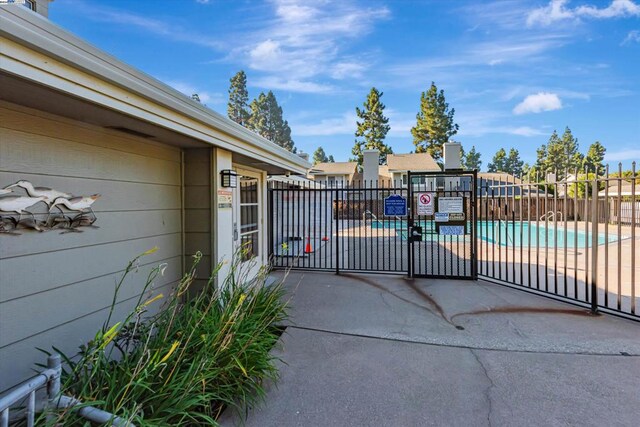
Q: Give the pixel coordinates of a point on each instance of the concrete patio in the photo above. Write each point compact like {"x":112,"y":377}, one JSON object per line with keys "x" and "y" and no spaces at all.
{"x":384,"y":350}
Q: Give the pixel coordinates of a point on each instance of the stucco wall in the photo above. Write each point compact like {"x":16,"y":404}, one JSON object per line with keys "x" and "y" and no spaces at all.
{"x":55,"y":288}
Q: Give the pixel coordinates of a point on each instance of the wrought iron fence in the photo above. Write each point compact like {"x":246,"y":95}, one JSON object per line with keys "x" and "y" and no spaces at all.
{"x":336,"y":228}
{"x":573,"y":237}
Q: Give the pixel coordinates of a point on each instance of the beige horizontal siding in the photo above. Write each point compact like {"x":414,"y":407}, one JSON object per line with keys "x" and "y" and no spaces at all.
{"x":55,"y":286}
{"x":18,"y":360}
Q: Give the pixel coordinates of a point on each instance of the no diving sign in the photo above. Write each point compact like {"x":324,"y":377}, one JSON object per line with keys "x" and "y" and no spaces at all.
{"x":425,"y":203}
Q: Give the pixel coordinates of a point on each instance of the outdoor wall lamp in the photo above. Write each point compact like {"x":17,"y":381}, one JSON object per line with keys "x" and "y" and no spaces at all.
{"x":229,"y":178}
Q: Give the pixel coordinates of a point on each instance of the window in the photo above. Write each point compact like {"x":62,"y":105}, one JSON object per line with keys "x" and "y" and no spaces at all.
{"x":30,"y":4}
{"x":249,"y":218}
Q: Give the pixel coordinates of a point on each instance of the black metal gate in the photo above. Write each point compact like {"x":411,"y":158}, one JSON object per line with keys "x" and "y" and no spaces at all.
{"x":346,"y":228}
{"x":442,"y":225}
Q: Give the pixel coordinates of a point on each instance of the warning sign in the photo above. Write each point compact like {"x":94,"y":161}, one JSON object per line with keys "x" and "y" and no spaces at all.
{"x":450,"y":204}
{"x":425,"y":203}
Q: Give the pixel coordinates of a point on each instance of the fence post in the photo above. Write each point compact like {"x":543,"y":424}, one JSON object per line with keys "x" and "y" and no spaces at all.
{"x":53,"y":386}
{"x":337,"y":238}
{"x":594,"y":244}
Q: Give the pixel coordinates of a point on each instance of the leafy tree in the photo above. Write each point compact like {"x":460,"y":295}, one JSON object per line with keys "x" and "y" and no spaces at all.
{"x":266,"y":120}
{"x":471,"y":160}
{"x":319,"y":156}
{"x":595,"y":157}
{"x":514,"y":164}
{"x":372,"y":130}
{"x":434,"y":123}
{"x":237,"y":108}
{"x":499,"y":162}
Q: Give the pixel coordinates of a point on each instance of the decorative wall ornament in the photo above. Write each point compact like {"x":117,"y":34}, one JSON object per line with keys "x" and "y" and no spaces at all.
{"x":18,"y":211}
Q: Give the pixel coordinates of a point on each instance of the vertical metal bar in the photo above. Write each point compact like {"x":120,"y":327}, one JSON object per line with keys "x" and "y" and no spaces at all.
{"x":555,"y":236}
{"x":546,"y":236}
{"x":575,"y":236}
{"x":529,"y":228}
{"x":587,"y":208}
{"x":594,"y":245}
{"x":606,"y":236}
{"x":31,"y":409}
{"x":513,"y":230}
{"x":544,"y":193}
{"x":564,"y":217}
{"x":53,"y":386}
{"x":336,"y":213}
{"x":521,"y":195}
{"x":633,"y":238}
{"x":495,"y":231}
{"x":4,"y":418}
{"x":618,"y":215}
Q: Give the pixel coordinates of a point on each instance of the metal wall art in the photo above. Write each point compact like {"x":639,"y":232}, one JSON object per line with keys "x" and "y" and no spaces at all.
{"x":40,"y":208}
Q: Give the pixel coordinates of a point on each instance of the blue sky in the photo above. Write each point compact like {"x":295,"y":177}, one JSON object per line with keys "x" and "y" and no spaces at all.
{"x":513,"y":70}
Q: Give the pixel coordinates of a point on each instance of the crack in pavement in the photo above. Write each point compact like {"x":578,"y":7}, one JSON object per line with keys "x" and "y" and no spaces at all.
{"x":487,"y":391}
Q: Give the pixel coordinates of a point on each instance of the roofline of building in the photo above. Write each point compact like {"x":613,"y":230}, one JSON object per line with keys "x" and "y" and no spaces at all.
{"x":37,"y":33}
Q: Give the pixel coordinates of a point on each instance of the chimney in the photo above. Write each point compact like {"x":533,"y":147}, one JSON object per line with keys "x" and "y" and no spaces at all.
{"x":451,"y":151}
{"x":370,"y":166}
{"x":304,"y":155}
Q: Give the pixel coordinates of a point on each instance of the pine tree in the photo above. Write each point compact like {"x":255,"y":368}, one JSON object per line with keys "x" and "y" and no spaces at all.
{"x":499,"y":162}
{"x":594,"y":160}
{"x":514,"y":164}
{"x":266,"y":120}
{"x":472,"y":159}
{"x":237,"y":108}
{"x":330,"y":159}
{"x":319,"y":156}
{"x":559,"y":155}
{"x":434,"y":123}
{"x":372,"y":129}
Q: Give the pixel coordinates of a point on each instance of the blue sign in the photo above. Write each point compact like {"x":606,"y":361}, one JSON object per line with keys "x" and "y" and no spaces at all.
{"x":451,"y":230}
{"x":395,"y":205}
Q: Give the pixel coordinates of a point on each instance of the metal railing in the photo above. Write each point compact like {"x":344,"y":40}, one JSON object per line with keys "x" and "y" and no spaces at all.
{"x":573,"y":238}
{"x":50,"y":378}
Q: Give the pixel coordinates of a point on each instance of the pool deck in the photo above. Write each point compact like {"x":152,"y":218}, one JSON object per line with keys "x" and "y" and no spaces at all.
{"x":383,"y":350}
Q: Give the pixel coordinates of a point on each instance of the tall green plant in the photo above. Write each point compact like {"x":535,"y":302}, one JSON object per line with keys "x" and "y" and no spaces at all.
{"x":201,"y":352}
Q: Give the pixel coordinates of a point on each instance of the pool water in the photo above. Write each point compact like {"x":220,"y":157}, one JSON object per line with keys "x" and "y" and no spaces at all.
{"x":510,"y":233}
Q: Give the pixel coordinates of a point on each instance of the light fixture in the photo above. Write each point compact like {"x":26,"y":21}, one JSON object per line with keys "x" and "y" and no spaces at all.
{"x":229,"y":178}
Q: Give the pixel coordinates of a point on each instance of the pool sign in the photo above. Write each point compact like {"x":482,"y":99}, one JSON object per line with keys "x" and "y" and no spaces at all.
{"x":395,"y":205}
{"x":425,"y":203}
{"x":450,"y":205}
{"x":451,"y":230}
{"x":441,"y":217}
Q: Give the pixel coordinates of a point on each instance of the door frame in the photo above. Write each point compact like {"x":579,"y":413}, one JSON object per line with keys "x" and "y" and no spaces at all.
{"x":259,"y":260}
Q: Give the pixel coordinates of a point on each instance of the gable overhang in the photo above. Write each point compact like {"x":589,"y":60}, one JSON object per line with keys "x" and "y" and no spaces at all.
{"x":46,"y":68}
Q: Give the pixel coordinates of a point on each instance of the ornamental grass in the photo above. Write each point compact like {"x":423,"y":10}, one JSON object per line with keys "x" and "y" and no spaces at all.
{"x":181,"y":358}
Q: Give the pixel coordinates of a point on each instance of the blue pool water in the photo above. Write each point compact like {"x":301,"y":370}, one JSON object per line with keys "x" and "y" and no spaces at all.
{"x":511,"y":233}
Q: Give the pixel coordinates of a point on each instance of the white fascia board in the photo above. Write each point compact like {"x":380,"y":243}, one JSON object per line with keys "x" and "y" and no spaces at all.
{"x":47,"y":54}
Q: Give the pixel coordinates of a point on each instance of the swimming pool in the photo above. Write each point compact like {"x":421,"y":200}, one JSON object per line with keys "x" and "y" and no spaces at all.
{"x":514,"y":234}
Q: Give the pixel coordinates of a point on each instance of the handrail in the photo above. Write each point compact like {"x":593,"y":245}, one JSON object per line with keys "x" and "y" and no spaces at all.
{"x":51,"y":378}
{"x":551,"y":215}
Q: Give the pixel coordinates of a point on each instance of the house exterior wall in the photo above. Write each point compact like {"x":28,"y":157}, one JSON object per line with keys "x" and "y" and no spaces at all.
{"x":55,"y":288}
{"x":199,"y":233}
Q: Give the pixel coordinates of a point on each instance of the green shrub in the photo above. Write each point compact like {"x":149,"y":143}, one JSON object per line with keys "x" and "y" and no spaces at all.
{"x":201,"y":352}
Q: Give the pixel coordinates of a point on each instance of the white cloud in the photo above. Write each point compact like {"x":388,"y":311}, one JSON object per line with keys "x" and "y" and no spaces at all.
{"x":624,"y":155}
{"x":523,"y":131}
{"x":307,"y":39}
{"x":189,"y":89}
{"x":343,"y":125}
{"x":539,"y":102}
{"x":154,"y":26}
{"x":558,"y":10}
{"x":633,"y":36}
{"x":293,"y":85}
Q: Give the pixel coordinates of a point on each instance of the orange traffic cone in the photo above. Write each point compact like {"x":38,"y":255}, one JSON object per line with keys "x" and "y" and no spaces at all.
{"x":307,"y":248}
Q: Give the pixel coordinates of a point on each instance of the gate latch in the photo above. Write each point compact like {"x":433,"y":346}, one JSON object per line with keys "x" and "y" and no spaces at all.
{"x":416,"y":234}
